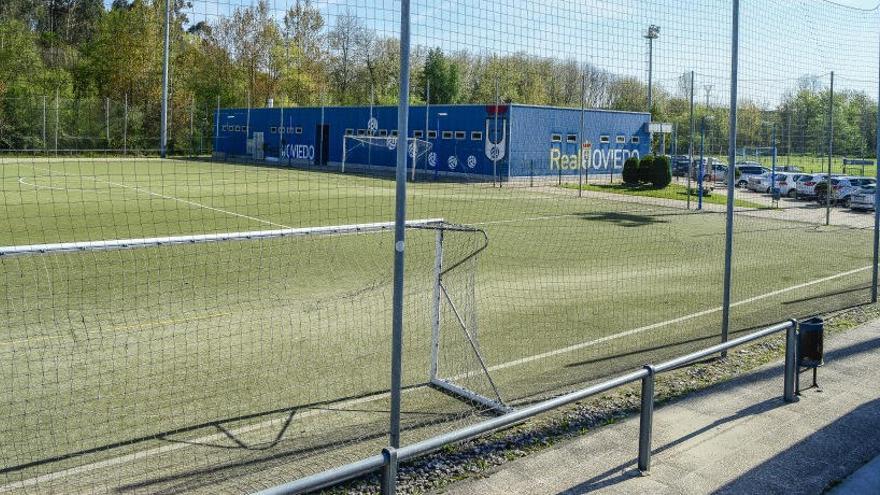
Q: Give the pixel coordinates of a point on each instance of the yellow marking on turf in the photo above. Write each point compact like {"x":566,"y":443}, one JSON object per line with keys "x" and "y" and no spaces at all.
{"x":117,"y":328}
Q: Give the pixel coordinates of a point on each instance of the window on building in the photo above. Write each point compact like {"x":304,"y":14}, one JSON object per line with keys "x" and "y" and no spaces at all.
{"x":460,"y":134}
{"x":418,"y":134}
{"x":447,"y":134}
{"x":298,"y":130}
{"x":383,"y":132}
{"x":556,"y":138}
{"x":476,"y":136}
{"x":225,"y":127}
{"x":349,"y":132}
{"x":393,"y":132}
{"x":604,"y":139}
{"x":432,"y":134}
{"x":273,"y":130}
{"x":571,"y":138}
{"x":621,"y":139}
{"x":238,"y":128}
{"x":634,"y":140}
{"x":362,"y":132}
{"x":290,"y":130}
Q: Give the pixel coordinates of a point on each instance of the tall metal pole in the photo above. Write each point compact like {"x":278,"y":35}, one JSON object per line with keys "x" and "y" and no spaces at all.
{"x":731,"y":175}
{"x":125,"y":126}
{"x":57,"y":111}
{"x":773,"y":163}
{"x":650,"y":91}
{"x":45,"y":144}
{"x":700,"y":173}
{"x":874,"y":268}
{"x":691,"y":145}
{"x":107,"y":118}
{"x":399,"y":230}
{"x":495,"y":138}
{"x":164,"y":124}
{"x":828,"y":189}
{"x":216,"y":129}
{"x":581,"y":135}
{"x":427,"y":114}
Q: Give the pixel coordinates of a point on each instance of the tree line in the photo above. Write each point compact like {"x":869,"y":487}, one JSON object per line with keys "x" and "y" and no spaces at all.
{"x":85,"y":76}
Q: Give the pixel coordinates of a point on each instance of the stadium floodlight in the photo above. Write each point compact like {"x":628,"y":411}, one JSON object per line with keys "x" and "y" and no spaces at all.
{"x":652,"y":34}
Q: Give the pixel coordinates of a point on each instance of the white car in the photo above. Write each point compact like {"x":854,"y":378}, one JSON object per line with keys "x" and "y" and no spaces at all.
{"x":787,"y":184}
{"x":806,"y":185}
{"x":863,"y":200}
{"x":842,"y":188}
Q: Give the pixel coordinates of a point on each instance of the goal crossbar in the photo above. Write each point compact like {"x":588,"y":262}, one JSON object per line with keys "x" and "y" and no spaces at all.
{"x":117,"y":244}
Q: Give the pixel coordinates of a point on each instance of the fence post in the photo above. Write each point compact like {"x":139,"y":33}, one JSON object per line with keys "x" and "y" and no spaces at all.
{"x":874,"y":268}
{"x":57,"y":111}
{"x":163,"y":140}
{"x":399,"y":228}
{"x":389,"y":469}
{"x":690,"y":143}
{"x":107,"y":119}
{"x":646,"y":420}
{"x":731,"y":175}
{"x":791,"y":352}
{"x":125,"y":126}
{"x":828,"y":188}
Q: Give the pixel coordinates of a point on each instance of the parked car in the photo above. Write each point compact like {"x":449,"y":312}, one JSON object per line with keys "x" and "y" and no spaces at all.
{"x":748,"y":169}
{"x":806,"y":185}
{"x":842,"y":188}
{"x":788,"y":168}
{"x":787,"y":184}
{"x":680,"y":165}
{"x":863,"y":200}
{"x":713,"y":169}
{"x":759,"y":183}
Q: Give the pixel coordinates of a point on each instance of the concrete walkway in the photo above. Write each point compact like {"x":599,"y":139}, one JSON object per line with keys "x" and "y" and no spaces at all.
{"x":738,"y":437}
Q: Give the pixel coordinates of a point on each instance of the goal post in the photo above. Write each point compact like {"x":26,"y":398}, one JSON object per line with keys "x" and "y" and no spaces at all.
{"x":452,"y":286}
{"x":416,"y":148}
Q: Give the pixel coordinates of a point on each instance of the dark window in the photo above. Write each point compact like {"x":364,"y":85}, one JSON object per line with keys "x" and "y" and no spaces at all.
{"x":394,"y":132}
{"x":349,"y":132}
{"x":604,"y":139}
{"x":621,"y":139}
{"x":460,"y":134}
{"x":298,"y":130}
{"x":556,"y":138}
{"x":361,"y":132}
{"x":634,"y":140}
{"x":273,"y":130}
{"x":447,"y":134}
{"x":238,"y":128}
{"x":476,"y":136}
{"x":383,"y":132}
{"x":432,"y":134}
{"x":418,"y":134}
{"x":571,"y":138}
{"x":290,"y":130}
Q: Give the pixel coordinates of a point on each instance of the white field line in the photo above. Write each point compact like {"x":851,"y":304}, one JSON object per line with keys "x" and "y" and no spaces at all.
{"x":184,"y":201}
{"x":313,"y":412}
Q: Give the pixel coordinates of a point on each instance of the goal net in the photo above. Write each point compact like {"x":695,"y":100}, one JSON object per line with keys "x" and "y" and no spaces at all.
{"x":382,"y":150}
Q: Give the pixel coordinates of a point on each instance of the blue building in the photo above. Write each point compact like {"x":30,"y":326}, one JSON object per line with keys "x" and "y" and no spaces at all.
{"x":466,"y":141}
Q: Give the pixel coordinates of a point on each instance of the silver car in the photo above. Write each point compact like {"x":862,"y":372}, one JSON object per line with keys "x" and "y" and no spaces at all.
{"x":806,"y":185}
{"x":842,"y":188}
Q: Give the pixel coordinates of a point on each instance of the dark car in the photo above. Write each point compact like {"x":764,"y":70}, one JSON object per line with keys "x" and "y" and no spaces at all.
{"x":680,"y":165}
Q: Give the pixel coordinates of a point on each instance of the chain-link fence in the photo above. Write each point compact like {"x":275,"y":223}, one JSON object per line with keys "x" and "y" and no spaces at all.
{"x":229,"y":317}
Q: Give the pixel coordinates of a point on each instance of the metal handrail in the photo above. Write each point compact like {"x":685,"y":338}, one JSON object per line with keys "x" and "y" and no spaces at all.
{"x":389,"y":459}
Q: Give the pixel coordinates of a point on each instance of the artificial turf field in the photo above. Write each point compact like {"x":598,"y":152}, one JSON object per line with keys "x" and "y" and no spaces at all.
{"x":235,"y":365}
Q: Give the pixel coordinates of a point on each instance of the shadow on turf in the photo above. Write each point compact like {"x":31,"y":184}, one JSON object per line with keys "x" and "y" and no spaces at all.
{"x":625,"y":219}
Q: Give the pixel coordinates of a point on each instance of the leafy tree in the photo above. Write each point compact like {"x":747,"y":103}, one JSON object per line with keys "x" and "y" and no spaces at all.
{"x":443,"y":77}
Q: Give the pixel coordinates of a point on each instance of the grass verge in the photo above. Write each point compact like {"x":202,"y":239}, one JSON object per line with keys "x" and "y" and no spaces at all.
{"x":672,"y":191}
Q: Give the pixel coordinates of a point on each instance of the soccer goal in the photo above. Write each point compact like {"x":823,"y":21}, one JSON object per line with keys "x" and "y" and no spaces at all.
{"x":417,"y":149}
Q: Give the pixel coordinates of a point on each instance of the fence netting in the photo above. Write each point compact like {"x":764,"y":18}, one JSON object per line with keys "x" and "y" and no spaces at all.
{"x":220,"y":319}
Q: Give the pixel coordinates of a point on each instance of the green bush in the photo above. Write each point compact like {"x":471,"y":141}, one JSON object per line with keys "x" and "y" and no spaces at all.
{"x":631,"y":170}
{"x":661,"y":175}
{"x":646,"y":169}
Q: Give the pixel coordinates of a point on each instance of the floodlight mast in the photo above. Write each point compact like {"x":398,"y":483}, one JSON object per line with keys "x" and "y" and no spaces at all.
{"x":652,"y":34}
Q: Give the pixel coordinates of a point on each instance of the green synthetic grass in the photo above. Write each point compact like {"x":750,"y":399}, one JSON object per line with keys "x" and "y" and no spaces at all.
{"x":672,"y":191}
{"x":111,"y":350}
{"x":810,"y":163}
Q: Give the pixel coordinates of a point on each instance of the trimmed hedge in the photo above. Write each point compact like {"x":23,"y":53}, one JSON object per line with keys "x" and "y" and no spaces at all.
{"x":631,"y":170}
{"x":646,"y":169}
{"x":662,"y":173}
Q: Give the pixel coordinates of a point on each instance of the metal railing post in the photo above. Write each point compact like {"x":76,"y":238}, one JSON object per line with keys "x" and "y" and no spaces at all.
{"x":731,"y":175}
{"x":389,"y":471}
{"x":791,"y":352}
{"x":646,"y":420}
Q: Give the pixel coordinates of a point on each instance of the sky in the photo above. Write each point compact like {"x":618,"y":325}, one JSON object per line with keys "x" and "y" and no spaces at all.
{"x":781,"y":41}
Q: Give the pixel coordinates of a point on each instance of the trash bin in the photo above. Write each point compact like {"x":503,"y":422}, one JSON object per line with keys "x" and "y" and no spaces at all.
{"x":810,"y":342}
